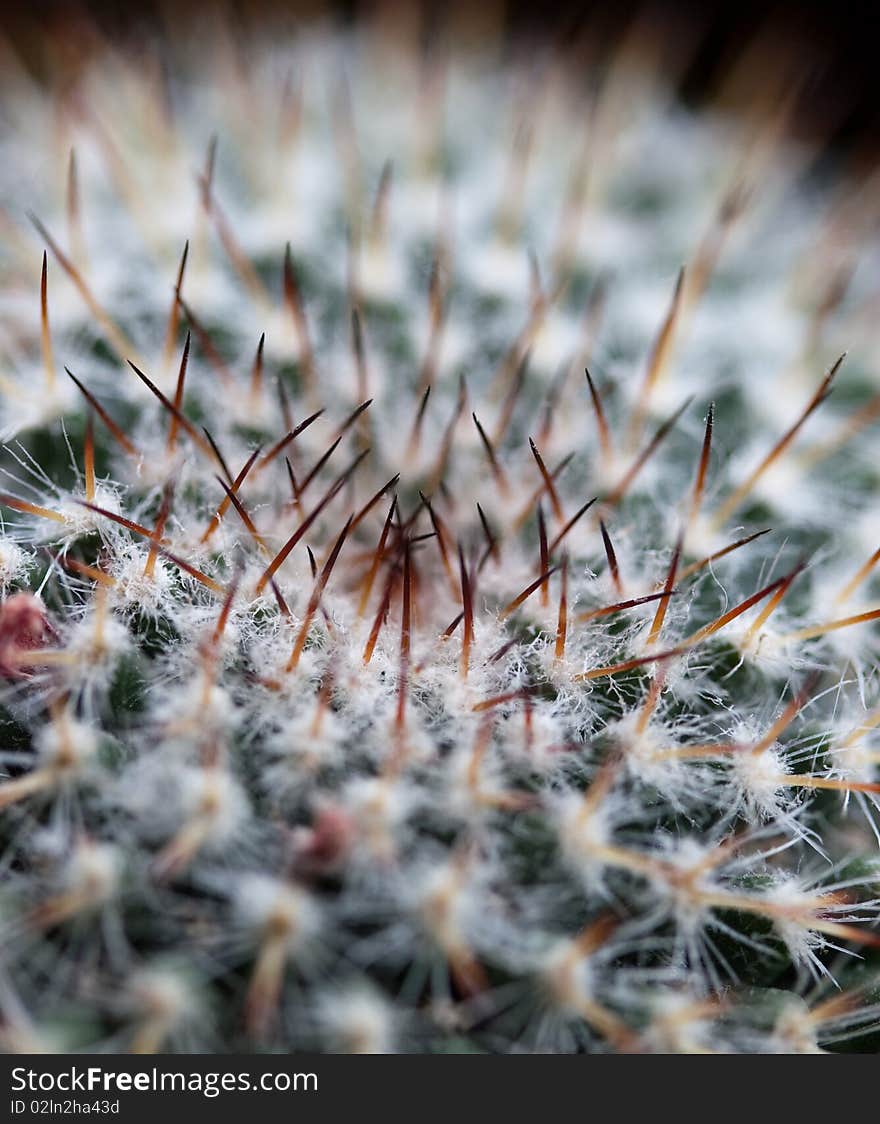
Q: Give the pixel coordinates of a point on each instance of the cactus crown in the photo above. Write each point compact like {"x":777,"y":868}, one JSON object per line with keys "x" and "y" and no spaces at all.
{"x":373,"y":679}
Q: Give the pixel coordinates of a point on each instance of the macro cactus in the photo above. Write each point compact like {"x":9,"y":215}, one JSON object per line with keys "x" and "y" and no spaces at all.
{"x":437,"y":560}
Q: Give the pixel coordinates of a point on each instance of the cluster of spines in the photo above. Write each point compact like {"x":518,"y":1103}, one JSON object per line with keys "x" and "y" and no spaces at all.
{"x":327,"y":698}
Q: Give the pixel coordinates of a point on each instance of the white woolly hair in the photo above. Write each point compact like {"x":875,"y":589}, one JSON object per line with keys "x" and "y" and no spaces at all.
{"x":438,"y":601}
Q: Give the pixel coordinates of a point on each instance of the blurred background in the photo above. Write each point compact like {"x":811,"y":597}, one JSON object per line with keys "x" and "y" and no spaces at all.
{"x":828,"y":47}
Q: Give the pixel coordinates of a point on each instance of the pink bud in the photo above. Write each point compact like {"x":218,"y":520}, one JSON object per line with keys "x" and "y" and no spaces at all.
{"x":325,"y":844}
{"x":23,"y":627}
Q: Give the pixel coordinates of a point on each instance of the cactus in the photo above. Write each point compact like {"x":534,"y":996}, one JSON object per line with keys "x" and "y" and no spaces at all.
{"x":437,"y":594}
